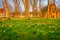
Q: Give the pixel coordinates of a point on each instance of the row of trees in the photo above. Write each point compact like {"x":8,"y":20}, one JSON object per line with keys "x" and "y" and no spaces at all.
{"x":26,"y":4}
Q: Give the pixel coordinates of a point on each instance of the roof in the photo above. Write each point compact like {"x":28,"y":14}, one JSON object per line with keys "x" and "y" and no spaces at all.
{"x":1,"y":10}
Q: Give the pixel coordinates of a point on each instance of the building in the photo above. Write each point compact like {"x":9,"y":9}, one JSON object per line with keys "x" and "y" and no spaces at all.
{"x":52,"y":10}
{"x":2,"y":12}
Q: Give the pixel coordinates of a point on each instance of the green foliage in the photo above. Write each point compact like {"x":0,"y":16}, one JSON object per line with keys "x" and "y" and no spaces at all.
{"x":33,"y":29}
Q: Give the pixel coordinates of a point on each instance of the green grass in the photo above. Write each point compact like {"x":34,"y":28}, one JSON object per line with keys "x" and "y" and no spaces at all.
{"x":34,"y":29}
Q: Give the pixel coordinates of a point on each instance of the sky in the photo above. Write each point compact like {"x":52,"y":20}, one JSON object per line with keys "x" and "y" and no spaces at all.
{"x":11,"y":4}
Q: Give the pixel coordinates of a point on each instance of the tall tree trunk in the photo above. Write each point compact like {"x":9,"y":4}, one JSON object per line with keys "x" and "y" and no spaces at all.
{"x":17,"y":8}
{"x":7,"y":9}
{"x":40,"y":8}
{"x":26,"y":5}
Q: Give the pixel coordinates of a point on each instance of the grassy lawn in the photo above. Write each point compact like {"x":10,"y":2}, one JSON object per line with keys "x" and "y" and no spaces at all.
{"x":34,"y":29}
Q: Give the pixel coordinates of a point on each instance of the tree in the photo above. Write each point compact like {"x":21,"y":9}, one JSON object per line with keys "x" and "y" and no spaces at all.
{"x":17,"y":7}
{"x":26,"y":5}
{"x":7,"y":9}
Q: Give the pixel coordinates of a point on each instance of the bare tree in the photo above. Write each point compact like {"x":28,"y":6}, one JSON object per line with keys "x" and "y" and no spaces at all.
{"x":26,"y":5}
{"x":17,"y":7}
{"x":34,"y":7}
{"x":7,"y":8}
{"x":40,"y":6}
